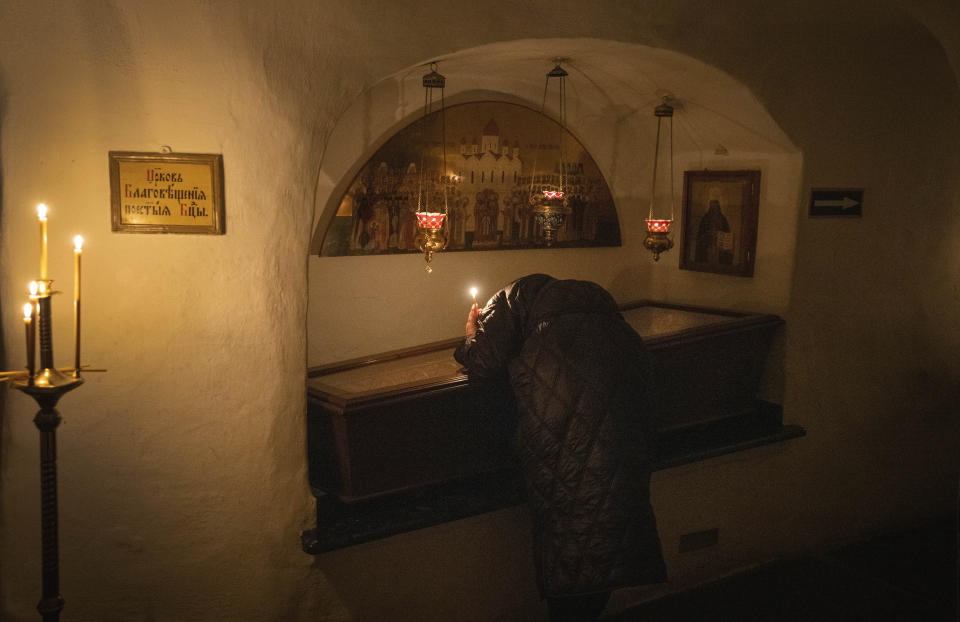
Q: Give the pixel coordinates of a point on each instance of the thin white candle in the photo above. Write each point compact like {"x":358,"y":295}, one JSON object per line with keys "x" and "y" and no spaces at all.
{"x":31,"y":340}
{"x":42,"y":215}
{"x":77,"y":252}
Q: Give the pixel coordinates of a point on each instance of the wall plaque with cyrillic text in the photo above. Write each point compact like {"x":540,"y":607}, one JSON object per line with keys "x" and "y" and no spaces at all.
{"x":166,"y":193}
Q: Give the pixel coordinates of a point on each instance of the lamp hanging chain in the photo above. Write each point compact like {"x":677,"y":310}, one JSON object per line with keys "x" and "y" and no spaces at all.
{"x":563,"y":126}
{"x":443,"y":141}
{"x":657,"y":240}
{"x":431,"y":219}
{"x":432,"y":81}
{"x":536,"y":153}
{"x":661,"y":111}
{"x":423,"y":129}
{"x":671,"y":169}
{"x":556,"y":72}
{"x":656,"y":158}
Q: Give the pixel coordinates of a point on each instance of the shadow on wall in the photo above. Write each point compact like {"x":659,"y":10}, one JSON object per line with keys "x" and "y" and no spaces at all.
{"x":634,"y":277}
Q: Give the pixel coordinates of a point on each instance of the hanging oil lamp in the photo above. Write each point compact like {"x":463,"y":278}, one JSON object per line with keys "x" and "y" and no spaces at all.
{"x":548,"y":200}
{"x":658,"y":228}
{"x":431,"y":214}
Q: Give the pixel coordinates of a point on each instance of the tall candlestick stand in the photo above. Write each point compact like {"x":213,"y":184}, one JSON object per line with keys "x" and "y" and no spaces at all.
{"x":47,"y":419}
{"x":46,"y":387}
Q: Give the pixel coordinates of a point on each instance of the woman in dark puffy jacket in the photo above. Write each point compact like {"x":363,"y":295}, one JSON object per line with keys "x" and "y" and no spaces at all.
{"x":581,"y":377}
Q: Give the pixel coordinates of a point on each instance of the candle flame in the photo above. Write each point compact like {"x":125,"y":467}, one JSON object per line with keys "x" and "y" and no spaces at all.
{"x":33,"y":288}
{"x":78,"y":243}
{"x":27,"y":311}
{"x":473,"y":292}
{"x":43,"y":287}
{"x":42,"y":211}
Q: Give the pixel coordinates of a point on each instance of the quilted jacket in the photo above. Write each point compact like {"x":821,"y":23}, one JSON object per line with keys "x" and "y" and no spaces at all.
{"x":580,"y":377}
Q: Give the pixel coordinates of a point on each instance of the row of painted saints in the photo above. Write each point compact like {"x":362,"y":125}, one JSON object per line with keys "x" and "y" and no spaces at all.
{"x":486,"y":195}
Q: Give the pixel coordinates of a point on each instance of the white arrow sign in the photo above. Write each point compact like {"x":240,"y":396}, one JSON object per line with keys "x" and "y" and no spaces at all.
{"x":845,"y":203}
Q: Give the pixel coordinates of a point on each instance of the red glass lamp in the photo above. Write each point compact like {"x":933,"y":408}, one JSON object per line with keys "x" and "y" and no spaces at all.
{"x":658,"y":228}
{"x":431,"y":237}
{"x":548,"y":201}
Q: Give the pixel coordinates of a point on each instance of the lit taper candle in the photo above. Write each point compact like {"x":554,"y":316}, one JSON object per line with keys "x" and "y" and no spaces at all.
{"x":31,"y":341}
{"x":473,"y":292}
{"x":42,"y":215}
{"x":77,"y":252}
{"x":34,"y":288}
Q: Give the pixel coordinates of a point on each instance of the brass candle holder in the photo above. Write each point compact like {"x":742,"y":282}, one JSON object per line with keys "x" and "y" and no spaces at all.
{"x":550,"y":210}
{"x":431,"y":237}
{"x":658,"y":237}
{"x":46,"y":384}
{"x":48,"y":376}
{"x":658,"y":229}
{"x":430,"y":240}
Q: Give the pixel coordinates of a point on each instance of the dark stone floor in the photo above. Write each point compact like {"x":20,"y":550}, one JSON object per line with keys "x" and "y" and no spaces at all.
{"x":907,"y":576}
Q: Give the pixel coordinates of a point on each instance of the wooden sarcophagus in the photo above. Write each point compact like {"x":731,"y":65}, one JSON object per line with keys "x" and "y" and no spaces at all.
{"x":404,"y":420}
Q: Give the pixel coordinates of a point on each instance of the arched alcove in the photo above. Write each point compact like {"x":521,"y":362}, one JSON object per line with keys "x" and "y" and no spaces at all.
{"x":503,"y":150}
{"x":612,"y":90}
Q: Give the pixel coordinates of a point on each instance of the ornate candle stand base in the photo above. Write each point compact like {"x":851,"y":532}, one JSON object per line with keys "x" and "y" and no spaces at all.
{"x":47,"y":387}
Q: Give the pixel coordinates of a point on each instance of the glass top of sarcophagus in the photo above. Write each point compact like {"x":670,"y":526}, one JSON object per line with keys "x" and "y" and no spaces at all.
{"x":432,"y":364}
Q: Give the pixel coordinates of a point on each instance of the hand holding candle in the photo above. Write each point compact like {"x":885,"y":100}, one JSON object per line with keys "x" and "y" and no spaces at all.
{"x":473,"y":318}
{"x":472,"y":321}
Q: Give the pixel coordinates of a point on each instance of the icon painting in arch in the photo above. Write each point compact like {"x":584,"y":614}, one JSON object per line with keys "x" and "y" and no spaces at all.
{"x":492,"y":150}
